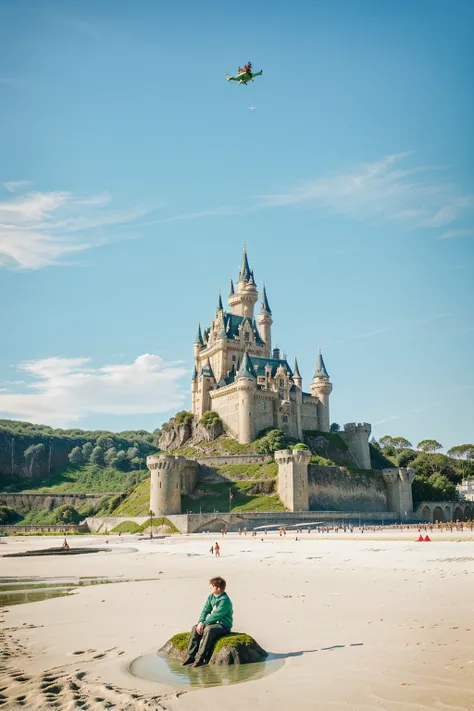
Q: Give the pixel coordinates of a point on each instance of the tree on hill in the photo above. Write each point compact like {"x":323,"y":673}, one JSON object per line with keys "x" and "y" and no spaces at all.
{"x":105,"y":442}
{"x":401,"y":443}
{"x":464,"y":453}
{"x":405,"y":457}
{"x":32,"y":454}
{"x":427,"y":464}
{"x":121,"y":460}
{"x":75,"y":456}
{"x":87,"y":449}
{"x":110,"y":456}
{"x":386,"y":441}
{"x":335,"y":428}
{"x":436,"y":487}
{"x":97,"y":456}
{"x":429,"y":446}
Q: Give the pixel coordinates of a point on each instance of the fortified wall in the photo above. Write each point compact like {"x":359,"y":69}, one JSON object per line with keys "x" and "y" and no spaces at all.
{"x":302,"y":487}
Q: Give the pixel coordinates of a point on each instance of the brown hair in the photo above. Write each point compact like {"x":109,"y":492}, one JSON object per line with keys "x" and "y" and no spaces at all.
{"x":218,"y":583}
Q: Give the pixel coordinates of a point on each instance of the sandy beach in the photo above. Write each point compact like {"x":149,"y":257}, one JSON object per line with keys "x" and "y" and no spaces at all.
{"x":372,"y":621}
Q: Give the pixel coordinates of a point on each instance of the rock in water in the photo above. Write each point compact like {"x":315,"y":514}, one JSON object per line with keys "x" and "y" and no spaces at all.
{"x":233,"y":648}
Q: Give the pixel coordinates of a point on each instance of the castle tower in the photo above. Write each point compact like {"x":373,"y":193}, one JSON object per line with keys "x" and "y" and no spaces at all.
{"x":399,"y":491}
{"x":246,"y":386}
{"x":298,"y":383}
{"x":165,"y":484}
{"x":293,"y":478}
{"x":242,"y":299}
{"x":198,"y":342}
{"x":356,"y":436}
{"x":207,"y":382}
{"x":322,"y":388}
{"x":265,"y":321}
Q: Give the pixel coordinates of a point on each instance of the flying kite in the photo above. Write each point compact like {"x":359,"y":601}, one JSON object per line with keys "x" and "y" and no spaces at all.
{"x":244,"y":75}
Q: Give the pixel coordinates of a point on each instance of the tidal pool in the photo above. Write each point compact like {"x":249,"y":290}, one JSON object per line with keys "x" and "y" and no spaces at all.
{"x":17,"y":591}
{"x":166,"y":670}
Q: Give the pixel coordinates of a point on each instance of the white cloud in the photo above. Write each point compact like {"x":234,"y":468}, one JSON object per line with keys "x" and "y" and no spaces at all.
{"x":381,"y":192}
{"x":64,"y":390}
{"x":450,"y":234}
{"x":13,"y":185}
{"x":39,"y":229}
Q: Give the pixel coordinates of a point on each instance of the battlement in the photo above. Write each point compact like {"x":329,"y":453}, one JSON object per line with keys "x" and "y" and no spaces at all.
{"x":352,"y":428}
{"x":165,"y":462}
{"x":293,"y":456}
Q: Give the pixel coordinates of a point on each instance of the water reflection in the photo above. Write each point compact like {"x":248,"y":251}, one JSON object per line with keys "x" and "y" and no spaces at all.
{"x":17,"y":591}
{"x":164,"y":669}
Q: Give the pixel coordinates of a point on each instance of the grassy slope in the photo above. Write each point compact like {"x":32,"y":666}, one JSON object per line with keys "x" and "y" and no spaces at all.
{"x":88,"y":479}
{"x":214,"y":497}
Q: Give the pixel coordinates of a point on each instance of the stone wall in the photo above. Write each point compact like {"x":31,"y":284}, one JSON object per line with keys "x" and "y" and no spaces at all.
{"x":28,"y":502}
{"x":101,"y":524}
{"x":234,"y":459}
{"x":339,"y":489}
{"x":214,"y":522}
{"x":13,"y":530}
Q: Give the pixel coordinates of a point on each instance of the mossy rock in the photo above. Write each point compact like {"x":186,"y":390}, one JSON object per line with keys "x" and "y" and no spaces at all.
{"x":232,"y":648}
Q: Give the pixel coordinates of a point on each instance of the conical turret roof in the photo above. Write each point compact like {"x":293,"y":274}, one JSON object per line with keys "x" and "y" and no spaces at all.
{"x":232,"y":291}
{"x":265,"y":306}
{"x":219,"y":303}
{"x":296,"y":370}
{"x":321,"y":371}
{"x":198,"y":338}
{"x":244,"y":271}
{"x":246,"y":368}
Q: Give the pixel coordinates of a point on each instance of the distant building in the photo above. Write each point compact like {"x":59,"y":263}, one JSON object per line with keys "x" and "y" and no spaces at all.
{"x":466,"y":489}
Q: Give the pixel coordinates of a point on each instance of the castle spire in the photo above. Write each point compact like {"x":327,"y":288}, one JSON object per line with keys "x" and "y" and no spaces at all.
{"x":321,"y":371}
{"x":246,"y":368}
{"x":198,"y":338}
{"x":296,"y":370}
{"x":244,"y":271}
{"x":232,"y":291}
{"x":265,"y":306}
{"x":219,"y":303}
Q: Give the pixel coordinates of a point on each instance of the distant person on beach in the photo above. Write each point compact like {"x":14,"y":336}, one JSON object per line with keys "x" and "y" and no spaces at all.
{"x":215,"y":621}
{"x":66,"y":545}
{"x":211,"y":550}
{"x":217,"y":550}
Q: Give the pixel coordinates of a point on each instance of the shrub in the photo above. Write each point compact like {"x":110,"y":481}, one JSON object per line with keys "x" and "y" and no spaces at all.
{"x":183,"y":417}
{"x":271,"y":441}
{"x":211,"y":417}
{"x":66,"y":514}
{"x":300,"y":445}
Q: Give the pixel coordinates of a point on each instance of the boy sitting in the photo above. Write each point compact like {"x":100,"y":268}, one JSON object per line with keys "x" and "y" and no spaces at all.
{"x":215,"y":621}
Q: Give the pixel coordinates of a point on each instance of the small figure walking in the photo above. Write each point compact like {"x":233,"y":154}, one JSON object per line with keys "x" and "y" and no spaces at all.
{"x":217,"y":550}
{"x":211,"y":550}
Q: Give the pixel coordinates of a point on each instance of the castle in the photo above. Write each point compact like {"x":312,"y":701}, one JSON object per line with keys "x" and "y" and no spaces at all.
{"x":239,"y":375}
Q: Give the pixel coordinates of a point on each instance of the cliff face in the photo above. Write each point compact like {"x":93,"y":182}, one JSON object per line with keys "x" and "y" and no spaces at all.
{"x":179,"y":436}
{"x":12,"y":456}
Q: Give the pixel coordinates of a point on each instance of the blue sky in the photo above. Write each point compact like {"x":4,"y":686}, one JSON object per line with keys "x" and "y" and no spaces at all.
{"x":132,"y":173}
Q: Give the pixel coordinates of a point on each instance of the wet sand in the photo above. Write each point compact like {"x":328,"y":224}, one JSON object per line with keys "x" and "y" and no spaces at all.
{"x":362,"y":621}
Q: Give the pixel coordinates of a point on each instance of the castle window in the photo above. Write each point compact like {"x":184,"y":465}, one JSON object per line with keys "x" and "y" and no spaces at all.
{"x":264,"y":404}
{"x":247,"y":336}
{"x":285,"y":418}
{"x":233,"y":358}
{"x":282,"y":383}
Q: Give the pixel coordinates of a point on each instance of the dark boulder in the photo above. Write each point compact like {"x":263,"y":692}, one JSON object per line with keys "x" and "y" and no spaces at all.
{"x":233,"y":648}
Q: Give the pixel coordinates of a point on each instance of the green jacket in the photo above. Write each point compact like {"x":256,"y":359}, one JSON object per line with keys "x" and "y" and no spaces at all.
{"x":217,"y":610}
